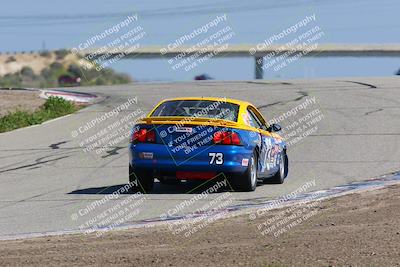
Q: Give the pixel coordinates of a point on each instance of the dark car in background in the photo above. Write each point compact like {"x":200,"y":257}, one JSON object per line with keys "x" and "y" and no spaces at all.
{"x":67,"y":80}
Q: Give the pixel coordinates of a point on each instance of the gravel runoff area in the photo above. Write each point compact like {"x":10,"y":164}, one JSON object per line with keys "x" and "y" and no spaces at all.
{"x":360,"y":229}
{"x":11,"y":100}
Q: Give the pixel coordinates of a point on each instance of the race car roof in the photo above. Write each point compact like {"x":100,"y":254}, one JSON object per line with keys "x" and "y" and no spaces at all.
{"x":221,"y":99}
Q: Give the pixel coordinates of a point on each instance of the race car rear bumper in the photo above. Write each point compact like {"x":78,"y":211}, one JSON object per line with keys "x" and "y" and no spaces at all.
{"x":159,"y":158}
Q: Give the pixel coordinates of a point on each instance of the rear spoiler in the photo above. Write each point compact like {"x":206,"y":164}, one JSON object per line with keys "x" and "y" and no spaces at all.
{"x":187,"y":120}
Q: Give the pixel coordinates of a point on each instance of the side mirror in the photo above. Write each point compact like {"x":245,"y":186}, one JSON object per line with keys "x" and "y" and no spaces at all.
{"x":274,"y":128}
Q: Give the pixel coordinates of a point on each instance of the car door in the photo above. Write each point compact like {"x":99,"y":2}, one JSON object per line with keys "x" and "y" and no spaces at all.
{"x":267,"y":162}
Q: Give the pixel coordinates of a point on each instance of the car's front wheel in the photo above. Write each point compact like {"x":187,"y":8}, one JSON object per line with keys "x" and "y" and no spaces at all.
{"x":140,"y":180}
{"x":248,"y":181}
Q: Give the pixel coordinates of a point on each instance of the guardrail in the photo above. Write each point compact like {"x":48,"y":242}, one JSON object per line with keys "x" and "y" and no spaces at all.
{"x":323,"y":50}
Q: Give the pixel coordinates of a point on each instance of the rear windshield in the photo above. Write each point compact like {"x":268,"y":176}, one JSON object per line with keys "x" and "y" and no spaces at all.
{"x":198,"y":108}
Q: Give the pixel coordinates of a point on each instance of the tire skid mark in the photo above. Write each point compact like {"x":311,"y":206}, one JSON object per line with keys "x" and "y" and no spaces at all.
{"x":302,"y":95}
{"x":360,"y":83}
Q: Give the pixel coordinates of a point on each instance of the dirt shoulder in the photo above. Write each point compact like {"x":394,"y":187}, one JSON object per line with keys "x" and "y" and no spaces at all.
{"x":11,"y":100}
{"x":355,"y":230}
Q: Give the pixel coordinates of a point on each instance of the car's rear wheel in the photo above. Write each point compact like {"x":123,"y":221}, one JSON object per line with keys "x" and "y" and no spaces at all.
{"x":248,"y":181}
{"x":279,"y":177}
{"x":142,"y":181}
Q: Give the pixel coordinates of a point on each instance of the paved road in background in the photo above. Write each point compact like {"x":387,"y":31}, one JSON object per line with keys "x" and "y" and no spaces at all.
{"x":46,"y":178}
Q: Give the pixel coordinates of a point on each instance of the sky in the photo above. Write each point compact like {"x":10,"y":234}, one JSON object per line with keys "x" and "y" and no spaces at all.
{"x":34,"y":25}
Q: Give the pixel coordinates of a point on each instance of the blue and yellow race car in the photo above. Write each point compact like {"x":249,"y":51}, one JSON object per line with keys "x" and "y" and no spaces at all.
{"x":200,"y":138}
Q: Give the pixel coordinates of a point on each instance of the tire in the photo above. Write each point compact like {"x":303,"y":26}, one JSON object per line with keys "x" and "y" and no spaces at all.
{"x":247,"y":182}
{"x":142,"y":181}
{"x":286,"y":165}
{"x":279,"y":177}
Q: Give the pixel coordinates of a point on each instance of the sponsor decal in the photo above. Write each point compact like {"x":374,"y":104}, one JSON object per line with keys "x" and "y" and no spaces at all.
{"x":183,"y":130}
{"x":245,"y":162}
{"x":146,"y":155}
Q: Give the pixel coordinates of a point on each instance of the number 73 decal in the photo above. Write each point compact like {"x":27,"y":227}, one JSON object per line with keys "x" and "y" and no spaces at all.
{"x":216,"y":158}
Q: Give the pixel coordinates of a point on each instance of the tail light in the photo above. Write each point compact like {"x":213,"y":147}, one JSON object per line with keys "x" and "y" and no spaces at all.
{"x":226,"y":138}
{"x":143,"y":136}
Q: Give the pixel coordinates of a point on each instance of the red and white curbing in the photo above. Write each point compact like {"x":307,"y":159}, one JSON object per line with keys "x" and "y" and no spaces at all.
{"x":70,"y":96}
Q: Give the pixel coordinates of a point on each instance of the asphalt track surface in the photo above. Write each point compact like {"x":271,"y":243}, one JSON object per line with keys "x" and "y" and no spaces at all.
{"x":46,"y":177}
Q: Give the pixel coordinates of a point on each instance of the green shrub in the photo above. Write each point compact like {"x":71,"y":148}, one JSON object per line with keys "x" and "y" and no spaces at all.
{"x":58,"y":106}
{"x":46,"y":73}
{"x":53,"y":107}
{"x":45,"y":53}
{"x":28,"y":72}
{"x":11,"y":59}
{"x":75,"y":70}
{"x":60,"y":54}
{"x":56,"y":66}
{"x":10,"y":80}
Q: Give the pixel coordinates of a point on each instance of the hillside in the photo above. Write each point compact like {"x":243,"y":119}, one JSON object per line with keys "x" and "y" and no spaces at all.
{"x":44,"y":69}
